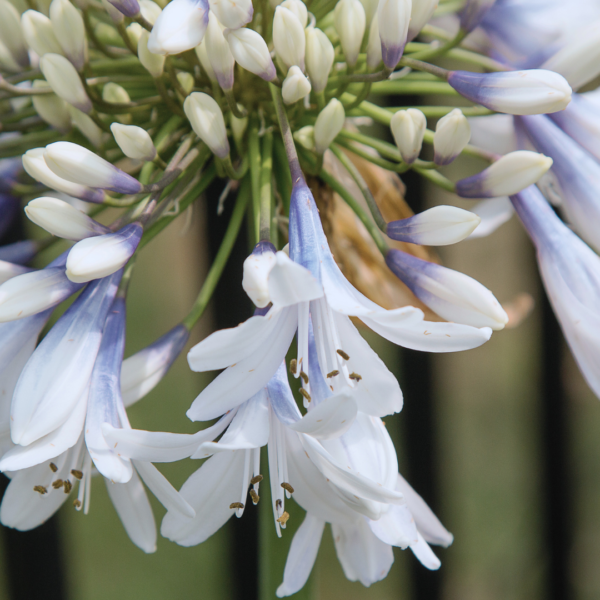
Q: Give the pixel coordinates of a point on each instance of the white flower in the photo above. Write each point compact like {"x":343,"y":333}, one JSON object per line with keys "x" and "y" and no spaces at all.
{"x":154,"y":63}
{"x":328,"y":125}
{"x":233,"y":13}
{"x":219,"y":54}
{"x":65,"y":82}
{"x":251,"y":52}
{"x":134,"y":141}
{"x":295,"y":86}
{"x":288,"y":38}
{"x":350,"y":23}
{"x":452,"y":134}
{"x":318,"y":57}
{"x":39,"y":33}
{"x":207,"y":122}
{"x":51,"y":108}
{"x":68,"y":26}
{"x":256,"y":274}
{"x":393,"y":17}
{"x":408,"y":128}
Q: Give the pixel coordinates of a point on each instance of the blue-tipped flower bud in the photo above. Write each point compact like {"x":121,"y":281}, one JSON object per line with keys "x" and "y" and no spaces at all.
{"x":393,"y":17}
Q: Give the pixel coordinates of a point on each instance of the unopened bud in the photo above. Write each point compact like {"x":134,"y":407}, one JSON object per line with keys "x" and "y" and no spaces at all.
{"x":116,"y":15}
{"x":452,"y":134}
{"x":251,"y":52}
{"x":153,"y":63}
{"x":421,"y":12}
{"x":64,"y":81}
{"x":288,"y":38}
{"x":77,"y":164}
{"x":150,"y":11}
{"x":89,"y":129}
{"x":103,"y":255}
{"x":51,"y":108}
{"x":186,"y":81}
{"x":39,"y":33}
{"x":256,"y":273}
{"x":532,"y":92}
{"x":134,"y":33}
{"x":130,"y":8}
{"x":305,"y":136}
{"x":70,"y":31}
{"x":374,"y":56}
{"x":233,"y":13}
{"x":135,"y":142}
{"x":11,"y":34}
{"x":202,"y":55}
{"x":408,"y":128}
{"x":113,"y":93}
{"x":295,"y":86}
{"x":207,"y":122}
{"x":452,"y":295}
{"x":318,"y":58}
{"x":63,"y":220}
{"x":507,"y":176}
{"x":238,"y":128}
{"x":437,"y":226}
{"x":350,"y":23}
{"x":328,"y":125}
{"x":393,"y":17}
{"x":219,"y":54}
{"x":370,"y":7}
{"x":298,"y":8}
{"x":180,"y":27}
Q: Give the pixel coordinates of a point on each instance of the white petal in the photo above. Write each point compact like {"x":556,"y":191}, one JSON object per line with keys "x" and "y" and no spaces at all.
{"x":166,"y":494}
{"x":210,"y":491}
{"x":132,"y":506}
{"x":291,"y":283}
{"x":302,"y":555}
{"x":493,"y":212}
{"x":158,"y":446}
{"x":425,"y":554}
{"x":396,"y":527}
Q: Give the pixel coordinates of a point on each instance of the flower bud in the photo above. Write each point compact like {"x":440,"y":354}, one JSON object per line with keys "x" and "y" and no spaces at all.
{"x":51,"y":108}
{"x":89,"y":129}
{"x":79,"y":165}
{"x":256,"y":273}
{"x":299,"y":9}
{"x":134,"y":32}
{"x":219,"y":54}
{"x":180,"y":27}
{"x":408,"y":128}
{"x":207,"y":122}
{"x":150,"y":11}
{"x":452,"y":295}
{"x":64,"y":80}
{"x":7,"y":62}
{"x":350,"y":22}
{"x":186,"y":81}
{"x":507,"y":176}
{"x":233,"y":13}
{"x":116,"y":15}
{"x":295,"y":86}
{"x":9,"y":270}
{"x":452,"y":134}
{"x":130,"y":8}
{"x":532,"y":92}
{"x":103,"y":255}
{"x":374,"y":56}
{"x":39,"y":33}
{"x":63,"y":220}
{"x":393,"y":17}
{"x":305,"y":136}
{"x":36,"y":167}
{"x":202,"y":55}
{"x":370,"y":7}
{"x":437,"y":226}
{"x":238,"y":128}
{"x":421,"y":12}
{"x":251,"y":52}
{"x":12,"y":36}
{"x":153,"y":63}
{"x":473,"y":13}
{"x":579,"y":60}
{"x":318,"y":58}
{"x":328,"y":124}
{"x":70,"y":31}
{"x":288,"y":38}
{"x":135,"y":142}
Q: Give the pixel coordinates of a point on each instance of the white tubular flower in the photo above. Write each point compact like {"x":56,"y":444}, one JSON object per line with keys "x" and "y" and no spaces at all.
{"x":63,"y":220}
{"x":51,"y":108}
{"x":318,"y":58}
{"x":204,"y":59}
{"x":298,"y":8}
{"x":207,"y":122}
{"x":70,"y":31}
{"x":64,"y":80}
{"x":505,"y":177}
{"x":295,"y":86}
{"x":408,"y":128}
{"x":153,"y":63}
{"x":251,"y":52}
{"x":305,"y":136}
{"x":437,"y":226}
{"x":393,"y":17}
{"x":12,"y":36}
{"x":452,"y":295}
{"x":85,"y":124}
{"x":150,"y":10}
{"x":532,"y":92}
{"x":135,"y":142}
{"x":180,"y":27}
{"x":288,"y":38}
{"x":35,"y":165}
{"x":374,"y":56}
{"x":421,"y":12}
{"x":452,"y":134}
{"x":219,"y":54}
{"x":579,"y":60}
{"x":256,"y":273}
{"x":39,"y":33}
{"x":350,"y":23}
{"x":328,"y":124}
{"x":77,"y":164}
{"x":233,"y":13}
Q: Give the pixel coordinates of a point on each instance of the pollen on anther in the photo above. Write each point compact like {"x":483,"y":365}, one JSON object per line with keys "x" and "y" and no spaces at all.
{"x":286,"y":486}
{"x":68,"y":486}
{"x":255,"y":497}
{"x":343,"y":354}
{"x":53,"y":467}
{"x":77,"y":503}
{"x":40,"y":489}
{"x":333,"y":373}
{"x":355,"y":376}
{"x":293,"y":366}
{"x":304,"y":377}
{"x":57,"y":484}
{"x":305,"y":394}
{"x":236,"y":505}
{"x":256,"y":479}
{"x":77,"y":474}
{"x":284,"y":518}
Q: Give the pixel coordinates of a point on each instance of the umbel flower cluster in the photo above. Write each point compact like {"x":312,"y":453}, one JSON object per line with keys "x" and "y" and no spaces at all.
{"x":140,"y":105}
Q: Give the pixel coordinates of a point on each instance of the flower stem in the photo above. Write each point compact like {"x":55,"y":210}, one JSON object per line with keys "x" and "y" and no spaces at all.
{"x":265,"y":187}
{"x":210,"y":283}
{"x":255,"y":167}
{"x":439,"y":51}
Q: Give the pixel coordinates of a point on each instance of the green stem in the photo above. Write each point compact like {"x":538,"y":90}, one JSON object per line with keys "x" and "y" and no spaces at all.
{"x":441,"y":50}
{"x":420,"y":65}
{"x":216,"y":270}
{"x":171,"y":104}
{"x":229,"y":169}
{"x":368,"y":77}
{"x":369,"y":156}
{"x":437,"y":178}
{"x":286,"y":135}
{"x":441,"y":111}
{"x":413,"y":87}
{"x":362,"y":95}
{"x":255,"y":167}
{"x":232,"y":104}
{"x":265,"y":187}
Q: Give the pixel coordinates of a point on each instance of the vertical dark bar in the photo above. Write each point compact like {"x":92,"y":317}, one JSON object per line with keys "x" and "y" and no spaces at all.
{"x":555,"y":490}
{"x":230,"y":307}
{"x":419,"y":425}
